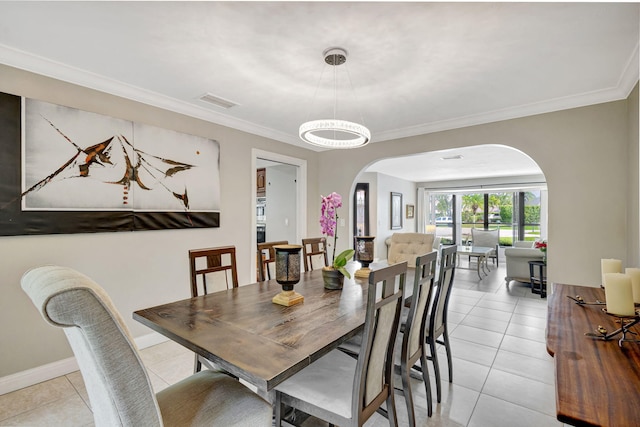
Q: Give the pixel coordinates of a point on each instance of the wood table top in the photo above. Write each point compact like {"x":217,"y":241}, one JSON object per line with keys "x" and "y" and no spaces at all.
{"x":597,"y":382}
{"x":263,"y":343}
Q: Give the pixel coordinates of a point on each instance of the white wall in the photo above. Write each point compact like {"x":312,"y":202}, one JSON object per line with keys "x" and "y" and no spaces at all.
{"x":281,"y":203}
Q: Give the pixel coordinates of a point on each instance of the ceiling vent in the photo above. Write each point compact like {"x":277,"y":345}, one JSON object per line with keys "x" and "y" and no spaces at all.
{"x":217,"y":101}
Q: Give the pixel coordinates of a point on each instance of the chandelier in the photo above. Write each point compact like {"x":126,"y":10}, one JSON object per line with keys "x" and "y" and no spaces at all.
{"x":334,"y":133}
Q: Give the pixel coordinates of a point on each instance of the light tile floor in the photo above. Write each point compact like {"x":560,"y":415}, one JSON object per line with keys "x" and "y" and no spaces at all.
{"x":502,"y":374}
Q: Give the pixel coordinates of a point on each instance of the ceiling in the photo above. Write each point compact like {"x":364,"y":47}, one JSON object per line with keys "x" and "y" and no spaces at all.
{"x":413,"y":67}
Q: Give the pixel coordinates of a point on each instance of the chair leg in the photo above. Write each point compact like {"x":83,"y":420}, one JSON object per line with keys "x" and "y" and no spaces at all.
{"x":278,"y":411}
{"x":197,"y":365}
{"x":445,"y":339}
{"x":436,"y":368}
{"x":408,"y":396}
{"x":391,"y":410}
{"x":427,"y":383}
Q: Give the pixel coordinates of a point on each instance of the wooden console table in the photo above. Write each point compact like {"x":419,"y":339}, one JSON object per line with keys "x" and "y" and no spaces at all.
{"x":597,"y":382}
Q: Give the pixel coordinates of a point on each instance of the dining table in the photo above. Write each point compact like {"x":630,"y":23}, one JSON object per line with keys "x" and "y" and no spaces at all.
{"x":243,"y":332}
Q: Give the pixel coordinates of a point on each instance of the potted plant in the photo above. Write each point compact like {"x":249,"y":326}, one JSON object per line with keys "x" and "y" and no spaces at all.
{"x":333,"y":274}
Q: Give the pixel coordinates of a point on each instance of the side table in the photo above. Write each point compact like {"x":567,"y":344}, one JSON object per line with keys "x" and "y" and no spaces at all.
{"x":538,"y":277}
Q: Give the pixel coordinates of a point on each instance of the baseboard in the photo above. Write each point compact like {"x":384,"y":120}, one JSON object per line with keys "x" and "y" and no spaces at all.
{"x":52,"y":370}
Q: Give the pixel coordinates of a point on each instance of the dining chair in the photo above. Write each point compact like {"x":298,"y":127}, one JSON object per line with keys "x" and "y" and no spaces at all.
{"x":411,"y":346}
{"x":314,"y":249}
{"x":267,"y":256}
{"x":117,"y":382}
{"x":437,"y":327}
{"x":345,"y":391}
{"x":219,"y":264}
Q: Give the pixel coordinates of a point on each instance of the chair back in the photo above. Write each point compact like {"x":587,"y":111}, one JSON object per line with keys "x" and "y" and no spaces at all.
{"x":373,"y":382}
{"x":438,"y":317}
{"x":219,"y":264}
{"x":415,"y":327}
{"x":117,"y":382}
{"x":485,"y":238}
{"x":267,"y":256}
{"x":315,"y":252}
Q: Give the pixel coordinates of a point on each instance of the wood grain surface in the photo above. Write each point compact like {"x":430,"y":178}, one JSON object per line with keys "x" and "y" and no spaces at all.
{"x":597,"y":382}
{"x":243,"y":332}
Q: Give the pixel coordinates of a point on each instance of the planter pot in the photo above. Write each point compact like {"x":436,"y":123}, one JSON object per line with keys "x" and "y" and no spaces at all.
{"x":333,"y":279}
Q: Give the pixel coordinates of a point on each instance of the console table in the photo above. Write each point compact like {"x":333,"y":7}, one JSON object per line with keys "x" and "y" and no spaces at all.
{"x":597,"y":382}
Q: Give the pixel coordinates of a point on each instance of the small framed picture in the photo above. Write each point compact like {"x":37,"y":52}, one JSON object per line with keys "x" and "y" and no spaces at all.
{"x":410,"y":209}
{"x":396,"y":211}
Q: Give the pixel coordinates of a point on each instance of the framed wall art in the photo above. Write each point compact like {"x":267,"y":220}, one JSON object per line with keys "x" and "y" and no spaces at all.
{"x":396,"y":211}
{"x":410,"y":211}
{"x":64,"y":170}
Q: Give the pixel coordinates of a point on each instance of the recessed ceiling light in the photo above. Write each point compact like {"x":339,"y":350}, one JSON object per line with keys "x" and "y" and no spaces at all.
{"x":217,"y":101}
{"x":456,"y":157}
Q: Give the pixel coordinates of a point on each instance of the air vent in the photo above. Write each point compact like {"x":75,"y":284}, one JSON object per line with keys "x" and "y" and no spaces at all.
{"x":217,"y":101}
{"x":456,"y":157}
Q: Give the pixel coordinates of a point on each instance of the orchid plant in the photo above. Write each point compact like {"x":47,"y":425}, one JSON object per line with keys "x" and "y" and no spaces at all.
{"x":329,"y":223}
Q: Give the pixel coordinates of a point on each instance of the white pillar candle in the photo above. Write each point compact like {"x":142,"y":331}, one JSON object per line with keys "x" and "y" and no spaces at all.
{"x":635,"y":282}
{"x":617,"y":291}
{"x":610,"y":266}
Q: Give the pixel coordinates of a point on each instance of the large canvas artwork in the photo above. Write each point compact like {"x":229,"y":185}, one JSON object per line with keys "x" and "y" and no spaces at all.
{"x":85,"y":172}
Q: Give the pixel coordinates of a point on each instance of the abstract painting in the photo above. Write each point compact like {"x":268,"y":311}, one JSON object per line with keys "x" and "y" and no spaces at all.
{"x":82,"y":166}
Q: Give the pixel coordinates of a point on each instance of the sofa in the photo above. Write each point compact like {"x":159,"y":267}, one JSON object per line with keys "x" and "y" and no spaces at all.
{"x":517,"y":260}
{"x":407,"y":246}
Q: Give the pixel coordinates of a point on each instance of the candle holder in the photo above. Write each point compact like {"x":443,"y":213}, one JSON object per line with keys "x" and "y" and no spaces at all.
{"x":287,"y":274}
{"x":626,"y":322}
{"x":364,"y":255}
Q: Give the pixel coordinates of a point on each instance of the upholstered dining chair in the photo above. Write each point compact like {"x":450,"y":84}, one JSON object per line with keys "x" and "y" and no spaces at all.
{"x":437,"y":331}
{"x":314,"y":250}
{"x":267,"y":256}
{"x":413,"y":347}
{"x":345,"y":391}
{"x":219,"y":264}
{"x":411,"y":343}
{"x":117,"y":382}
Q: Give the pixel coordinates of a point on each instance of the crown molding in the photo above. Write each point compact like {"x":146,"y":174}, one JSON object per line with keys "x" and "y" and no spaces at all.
{"x":46,"y":67}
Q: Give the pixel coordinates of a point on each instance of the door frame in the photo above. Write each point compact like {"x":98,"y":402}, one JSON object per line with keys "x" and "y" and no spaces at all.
{"x":301,"y":196}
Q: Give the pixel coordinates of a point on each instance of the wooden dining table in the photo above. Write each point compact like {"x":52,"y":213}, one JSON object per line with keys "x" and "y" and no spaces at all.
{"x":597,"y":381}
{"x":242,"y":331}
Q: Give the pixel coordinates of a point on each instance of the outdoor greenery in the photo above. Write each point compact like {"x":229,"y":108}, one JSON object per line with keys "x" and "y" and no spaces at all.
{"x":499,"y":213}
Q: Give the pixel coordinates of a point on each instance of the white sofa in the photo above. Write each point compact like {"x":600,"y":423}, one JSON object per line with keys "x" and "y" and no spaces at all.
{"x":407,"y":246}
{"x":517,"y":260}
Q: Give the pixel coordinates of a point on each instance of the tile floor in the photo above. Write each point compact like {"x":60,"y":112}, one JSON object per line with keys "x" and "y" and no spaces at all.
{"x":502,"y":374}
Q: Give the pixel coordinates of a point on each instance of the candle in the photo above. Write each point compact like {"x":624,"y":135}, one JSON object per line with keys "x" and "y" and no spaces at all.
{"x":618,"y":293}
{"x":635,"y":283}
{"x":610,"y":266}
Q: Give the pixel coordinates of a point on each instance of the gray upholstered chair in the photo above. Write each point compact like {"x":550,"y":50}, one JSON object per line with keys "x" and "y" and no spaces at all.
{"x":117,"y":382}
{"x":487,"y":239}
{"x":346,"y":391}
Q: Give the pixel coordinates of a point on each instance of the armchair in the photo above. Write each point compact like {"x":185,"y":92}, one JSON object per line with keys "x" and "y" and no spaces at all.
{"x":517,"y":260}
{"x":408,"y":246}
{"x":487,"y":239}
